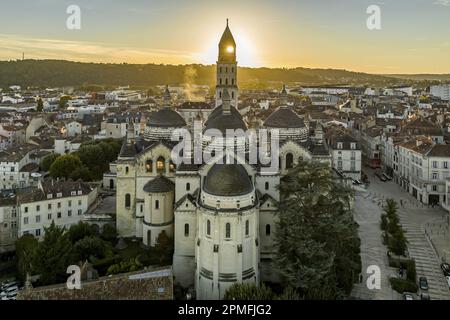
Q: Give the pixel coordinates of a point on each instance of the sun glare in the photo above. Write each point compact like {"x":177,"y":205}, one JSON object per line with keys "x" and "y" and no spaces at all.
{"x":245,"y":50}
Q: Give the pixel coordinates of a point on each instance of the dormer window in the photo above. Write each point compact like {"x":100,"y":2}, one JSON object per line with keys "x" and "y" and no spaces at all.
{"x":73,"y":193}
{"x":353,"y":146}
{"x":339,"y":145}
{"x":80,"y":192}
{"x":49,"y":196}
{"x":59,"y":194}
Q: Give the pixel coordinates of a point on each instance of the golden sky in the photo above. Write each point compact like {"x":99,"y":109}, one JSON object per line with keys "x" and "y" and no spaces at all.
{"x":414,"y":35}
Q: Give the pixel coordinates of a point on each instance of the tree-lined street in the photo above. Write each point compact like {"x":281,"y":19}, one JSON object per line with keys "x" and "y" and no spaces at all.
{"x":415,"y":218}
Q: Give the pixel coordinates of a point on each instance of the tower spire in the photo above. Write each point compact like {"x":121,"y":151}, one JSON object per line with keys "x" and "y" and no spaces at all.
{"x":284,"y":96}
{"x":167,"y":96}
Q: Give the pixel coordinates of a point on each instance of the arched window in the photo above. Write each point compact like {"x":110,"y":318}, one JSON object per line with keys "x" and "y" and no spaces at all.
{"x":247,"y":227}
{"x":232,"y":69}
{"x":172,"y":166}
{"x":220,"y":94}
{"x":160,"y":165}
{"x":220,"y":80}
{"x":186,"y":230}
{"x":127,"y":170}
{"x":289,"y":161}
{"x":220,"y":69}
{"x":228,"y":231}
{"x":226,"y":69}
{"x":267,"y":229}
{"x":232,"y":82}
{"x":226,"y":81}
{"x":149,"y":165}
{"x":266,"y":185}
{"x":156,"y":204}
{"x":127,"y":200}
{"x":208,"y":227}
{"x":232,"y":94}
{"x":188,"y":186}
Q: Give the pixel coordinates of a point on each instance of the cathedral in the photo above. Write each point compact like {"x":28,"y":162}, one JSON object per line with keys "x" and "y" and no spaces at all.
{"x":222,"y":216}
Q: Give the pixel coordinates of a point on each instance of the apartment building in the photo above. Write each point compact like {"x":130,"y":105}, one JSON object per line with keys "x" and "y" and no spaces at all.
{"x":64,"y":202}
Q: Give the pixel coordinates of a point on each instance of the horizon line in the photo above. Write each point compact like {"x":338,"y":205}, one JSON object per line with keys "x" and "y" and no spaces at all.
{"x":246,"y":67}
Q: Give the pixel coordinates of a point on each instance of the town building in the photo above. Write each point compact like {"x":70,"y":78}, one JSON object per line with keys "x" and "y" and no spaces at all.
{"x":63,"y":202}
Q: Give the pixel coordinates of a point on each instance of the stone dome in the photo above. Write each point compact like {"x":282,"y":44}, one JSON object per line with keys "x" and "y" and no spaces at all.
{"x":284,"y":118}
{"x":166,"y":118}
{"x":223,"y":122}
{"x":159,"y":185}
{"x":227,"y":180}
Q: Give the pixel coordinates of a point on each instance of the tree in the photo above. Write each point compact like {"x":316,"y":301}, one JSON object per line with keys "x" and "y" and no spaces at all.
{"x":243,"y":291}
{"x":40,"y":105}
{"x":107,"y":151}
{"x":48,"y":160}
{"x":164,"y":248}
{"x":25,"y":250}
{"x":109,"y":233}
{"x":53,"y":255}
{"x":81,"y":230}
{"x":397,"y":242}
{"x":64,"y":165}
{"x":318,"y":248}
{"x":63,"y":101}
{"x":91,"y":246}
{"x":93,"y":158}
{"x":81,"y":173}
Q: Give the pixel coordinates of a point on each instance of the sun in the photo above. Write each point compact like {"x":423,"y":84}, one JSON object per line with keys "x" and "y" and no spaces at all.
{"x":246,"y":51}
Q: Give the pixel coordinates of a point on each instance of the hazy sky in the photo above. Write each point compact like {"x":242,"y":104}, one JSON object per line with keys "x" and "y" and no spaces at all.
{"x":414,"y":35}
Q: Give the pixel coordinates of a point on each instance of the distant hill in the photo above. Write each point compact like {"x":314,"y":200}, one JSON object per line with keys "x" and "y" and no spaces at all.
{"x":422,"y":77}
{"x":58,"y":73}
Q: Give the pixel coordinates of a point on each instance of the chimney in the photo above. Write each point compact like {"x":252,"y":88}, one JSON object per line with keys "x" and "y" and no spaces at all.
{"x":418,"y":142}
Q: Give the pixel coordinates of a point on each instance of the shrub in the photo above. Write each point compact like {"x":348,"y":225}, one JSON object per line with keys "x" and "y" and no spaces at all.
{"x":124,"y":267}
{"x":102,"y":265}
{"x":239,"y":291}
{"x":410,"y":266}
{"x":402,"y":286}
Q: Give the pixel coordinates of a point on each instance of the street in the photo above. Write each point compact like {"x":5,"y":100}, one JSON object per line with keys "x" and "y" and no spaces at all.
{"x":415,"y":218}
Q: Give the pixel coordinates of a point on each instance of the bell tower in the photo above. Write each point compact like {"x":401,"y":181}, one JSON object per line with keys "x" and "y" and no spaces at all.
{"x":227,"y":69}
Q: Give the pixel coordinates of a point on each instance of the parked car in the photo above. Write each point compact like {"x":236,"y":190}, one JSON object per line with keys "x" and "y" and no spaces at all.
{"x":423,"y":283}
{"x":6,"y":285}
{"x":9,"y":291}
{"x":381,"y":177}
{"x":387,"y":176}
{"x":448,"y":281}
{"x":12,"y":296}
{"x":425,"y":296}
{"x":408,"y":296}
{"x":445,"y":269}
